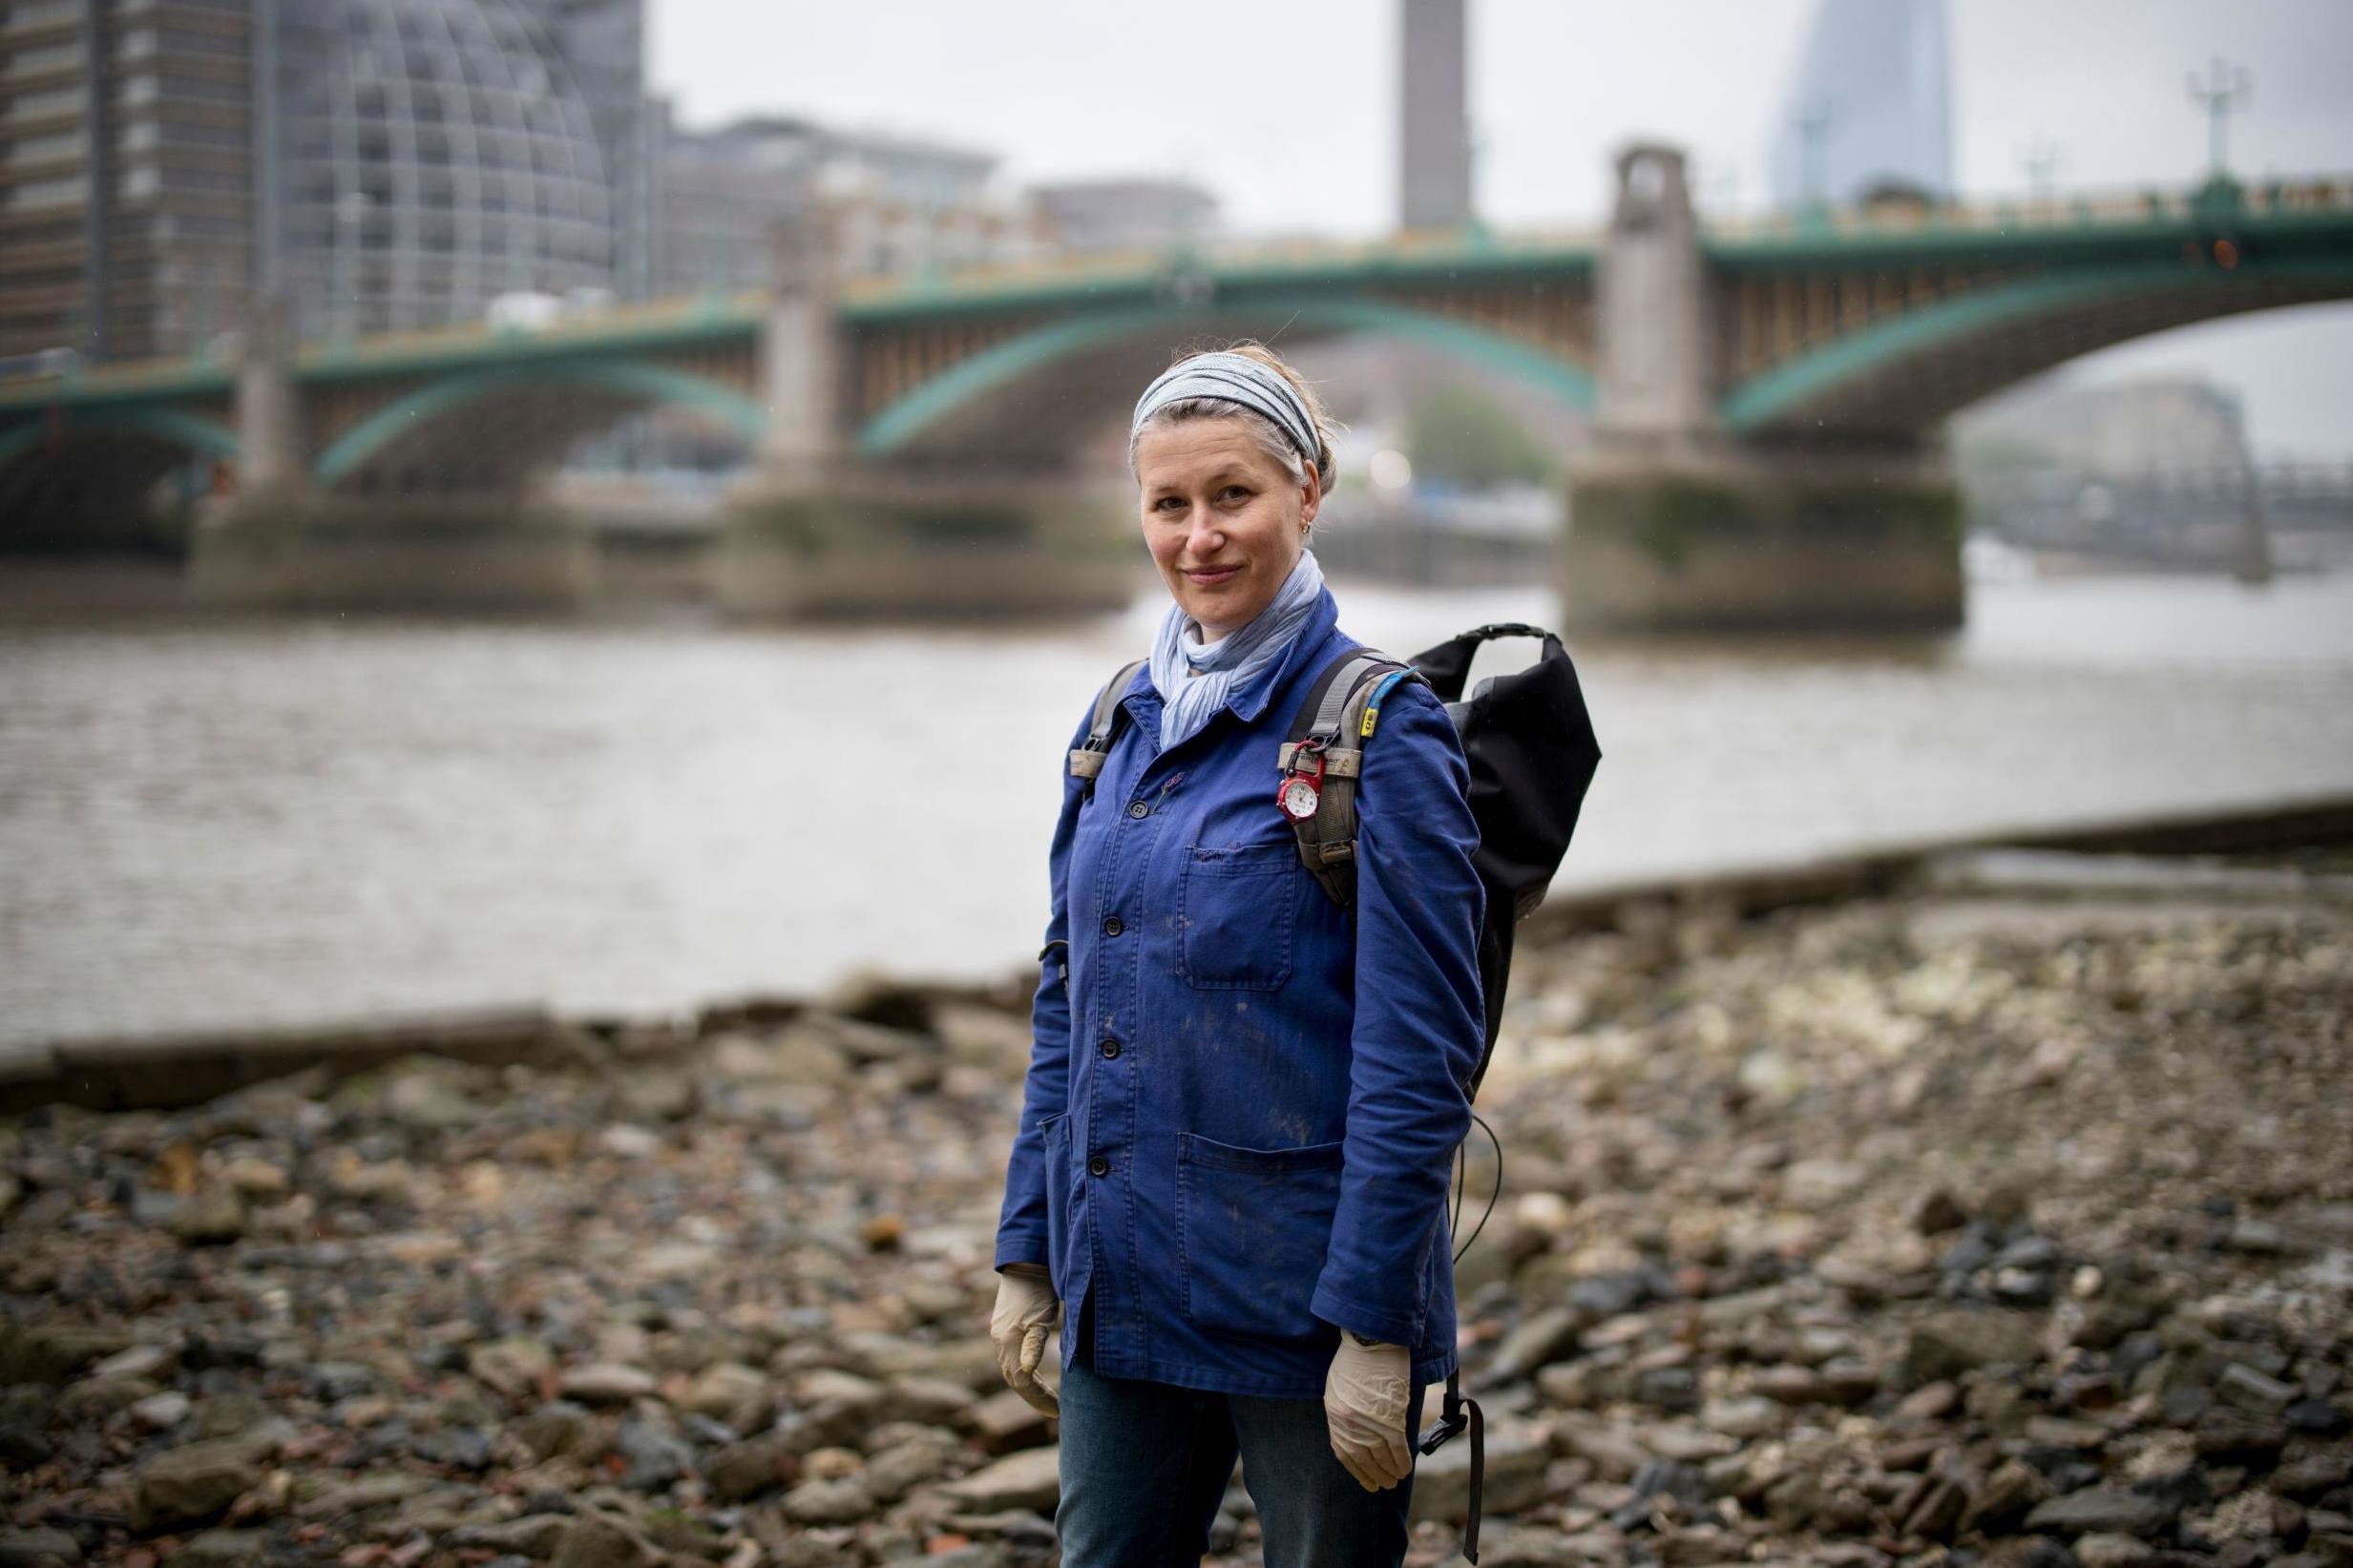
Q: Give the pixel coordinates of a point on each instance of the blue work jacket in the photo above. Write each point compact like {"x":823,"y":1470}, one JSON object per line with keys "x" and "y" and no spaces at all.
{"x":1242,"y":1106}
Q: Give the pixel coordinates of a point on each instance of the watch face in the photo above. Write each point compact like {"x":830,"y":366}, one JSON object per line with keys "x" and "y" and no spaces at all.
{"x":1298,"y":799}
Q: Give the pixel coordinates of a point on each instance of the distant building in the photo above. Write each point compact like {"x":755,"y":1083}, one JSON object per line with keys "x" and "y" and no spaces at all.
{"x":1085,"y":216}
{"x":1869,"y":112}
{"x":2153,"y":425}
{"x":901,"y":204}
{"x":384,"y":163}
{"x":1434,"y":151}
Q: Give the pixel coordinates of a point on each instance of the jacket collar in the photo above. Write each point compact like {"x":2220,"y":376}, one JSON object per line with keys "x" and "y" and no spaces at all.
{"x":1298,"y":661}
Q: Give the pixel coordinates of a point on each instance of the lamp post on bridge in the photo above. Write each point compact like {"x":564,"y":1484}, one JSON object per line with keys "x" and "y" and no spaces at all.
{"x":2225,"y":88}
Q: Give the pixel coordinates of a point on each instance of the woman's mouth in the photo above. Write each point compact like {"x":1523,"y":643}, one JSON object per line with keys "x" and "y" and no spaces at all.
{"x":1209,"y":576}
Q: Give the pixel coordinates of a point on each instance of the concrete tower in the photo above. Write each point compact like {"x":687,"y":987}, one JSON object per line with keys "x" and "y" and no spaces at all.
{"x":1434,"y":151}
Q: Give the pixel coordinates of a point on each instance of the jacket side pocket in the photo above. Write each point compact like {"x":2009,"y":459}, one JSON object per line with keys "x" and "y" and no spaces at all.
{"x":1054,"y":1133}
{"x":1253,"y":1228}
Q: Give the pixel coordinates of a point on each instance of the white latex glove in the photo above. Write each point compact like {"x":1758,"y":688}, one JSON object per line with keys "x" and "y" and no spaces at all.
{"x":1365,"y":1400}
{"x":1027,"y":1316}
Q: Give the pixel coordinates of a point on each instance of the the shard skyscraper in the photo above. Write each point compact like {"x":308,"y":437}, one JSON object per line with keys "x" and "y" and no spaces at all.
{"x":1870,"y":108}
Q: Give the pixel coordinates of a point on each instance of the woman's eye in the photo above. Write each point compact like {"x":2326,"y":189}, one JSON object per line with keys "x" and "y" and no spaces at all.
{"x":1234,"y":493}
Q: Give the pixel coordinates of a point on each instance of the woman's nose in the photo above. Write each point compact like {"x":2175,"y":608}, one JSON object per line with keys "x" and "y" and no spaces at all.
{"x":1205,"y":534}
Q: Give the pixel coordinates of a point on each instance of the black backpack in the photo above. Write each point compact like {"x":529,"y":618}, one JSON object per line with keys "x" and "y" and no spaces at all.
{"x":1531,"y":749}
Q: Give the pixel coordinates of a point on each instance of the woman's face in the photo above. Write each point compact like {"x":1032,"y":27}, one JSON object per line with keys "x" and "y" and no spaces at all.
{"x":1223,"y":522}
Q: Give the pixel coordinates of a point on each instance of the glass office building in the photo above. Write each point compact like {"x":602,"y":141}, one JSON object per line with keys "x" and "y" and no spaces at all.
{"x":385,"y":164}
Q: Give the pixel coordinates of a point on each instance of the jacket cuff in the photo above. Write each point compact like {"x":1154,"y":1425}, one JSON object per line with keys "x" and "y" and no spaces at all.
{"x":1344,"y":1310}
{"x":1020,"y":1246}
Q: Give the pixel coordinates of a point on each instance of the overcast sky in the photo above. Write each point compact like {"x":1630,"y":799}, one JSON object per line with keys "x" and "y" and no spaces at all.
{"x":1287,"y":110}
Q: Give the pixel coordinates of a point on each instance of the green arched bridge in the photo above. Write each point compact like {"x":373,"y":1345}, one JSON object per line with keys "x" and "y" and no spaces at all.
{"x":1857,"y":332}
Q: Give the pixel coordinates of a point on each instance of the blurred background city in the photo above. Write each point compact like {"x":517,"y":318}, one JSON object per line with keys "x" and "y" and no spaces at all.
{"x":550,"y":550}
{"x":480,"y":479}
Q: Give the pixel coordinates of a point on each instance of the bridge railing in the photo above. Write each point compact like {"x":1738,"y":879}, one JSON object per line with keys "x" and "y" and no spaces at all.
{"x":2315,"y":194}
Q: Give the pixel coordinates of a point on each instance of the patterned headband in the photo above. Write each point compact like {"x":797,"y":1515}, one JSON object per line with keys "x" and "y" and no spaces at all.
{"x":1225,"y":377}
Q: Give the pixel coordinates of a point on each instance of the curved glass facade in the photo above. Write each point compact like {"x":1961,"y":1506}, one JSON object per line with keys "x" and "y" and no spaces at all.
{"x":430,"y":155}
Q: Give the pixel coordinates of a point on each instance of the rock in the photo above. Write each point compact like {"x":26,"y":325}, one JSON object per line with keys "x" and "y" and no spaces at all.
{"x":212,"y":1218}
{"x":2252,"y":1391}
{"x":1614,"y":1453}
{"x":1937,"y":1212}
{"x":1742,"y":1419}
{"x":1029,"y":1479}
{"x":626,"y":1141}
{"x":197,"y":1481}
{"x":1544,"y":1338}
{"x":1934,"y":1507}
{"x":597,"y":1541}
{"x":896,"y":1471}
{"x":731,"y":1392}
{"x":1945,"y":1345}
{"x":607,"y":1383}
{"x":2114,"y":1551}
{"x":348,"y":1500}
{"x":536,"y":1536}
{"x":517,"y":1368}
{"x":42,"y":1547}
{"x":224,"y":1549}
{"x":50,"y":1353}
{"x":655,"y":1458}
{"x":746,"y":1470}
{"x":828,"y":1502}
{"x":1005,"y":1421}
{"x":2007,"y":1496}
{"x":652,"y":1093}
{"x":2099,"y":1510}
{"x":163,"y":1411}
{"x":1515,"y":1479}
{"x":1665,"y":1389}
{"x":556,"y":1427}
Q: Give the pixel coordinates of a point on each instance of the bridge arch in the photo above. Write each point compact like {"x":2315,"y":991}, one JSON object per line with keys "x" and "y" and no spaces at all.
{"x":1910,"y":371}
{"x":194,"y":433}
{"x":900,"y":424}
{"x":86,"y":481}
{"x":623,"y":380}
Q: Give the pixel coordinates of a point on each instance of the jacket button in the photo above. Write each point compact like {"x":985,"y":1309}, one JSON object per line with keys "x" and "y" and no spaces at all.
{"x":1110,"y":1049}
{"x":1111,"y":926}
{"x":1139,"y":810}
{"x":1099,"y":1166}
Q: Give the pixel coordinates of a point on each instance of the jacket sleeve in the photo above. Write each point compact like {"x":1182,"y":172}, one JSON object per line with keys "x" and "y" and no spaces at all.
{"x":1021,"y":1224}
{"x":1419,"y":1020}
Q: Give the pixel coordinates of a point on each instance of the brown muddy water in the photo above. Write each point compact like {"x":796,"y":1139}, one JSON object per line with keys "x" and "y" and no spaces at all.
{"x":212,"y":823}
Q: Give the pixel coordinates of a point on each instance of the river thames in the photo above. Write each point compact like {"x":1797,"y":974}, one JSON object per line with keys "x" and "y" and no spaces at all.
{"x":210,"y":822}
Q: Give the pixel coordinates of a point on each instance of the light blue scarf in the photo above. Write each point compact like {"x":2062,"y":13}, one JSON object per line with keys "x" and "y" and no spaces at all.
{"x":1195,"y":681}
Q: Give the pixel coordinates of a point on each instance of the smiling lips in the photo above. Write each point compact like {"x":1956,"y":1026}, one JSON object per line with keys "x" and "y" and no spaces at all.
{"x":1204,"y":575}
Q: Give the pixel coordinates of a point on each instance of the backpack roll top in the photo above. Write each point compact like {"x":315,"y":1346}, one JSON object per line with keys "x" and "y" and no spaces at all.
{"x":1532,"y":754}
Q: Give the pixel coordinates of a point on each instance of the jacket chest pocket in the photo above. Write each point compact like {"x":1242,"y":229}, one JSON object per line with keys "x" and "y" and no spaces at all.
{"x":1253,"y":1228}
{"x":1235,"y":908}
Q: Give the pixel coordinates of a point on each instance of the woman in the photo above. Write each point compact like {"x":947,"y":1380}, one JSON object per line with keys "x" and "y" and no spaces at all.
{"x":1228,"y":1183}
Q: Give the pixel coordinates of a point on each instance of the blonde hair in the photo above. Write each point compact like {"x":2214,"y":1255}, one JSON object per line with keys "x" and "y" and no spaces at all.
{"x":1268,"y":434}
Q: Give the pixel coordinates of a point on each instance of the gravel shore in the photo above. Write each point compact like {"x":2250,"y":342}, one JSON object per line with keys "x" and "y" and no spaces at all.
{"x":1949,"y":1229}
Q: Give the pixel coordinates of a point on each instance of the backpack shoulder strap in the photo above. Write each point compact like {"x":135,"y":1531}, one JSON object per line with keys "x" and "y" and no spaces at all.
{"x":1103,"y":729}
{"x":1335,"y":719}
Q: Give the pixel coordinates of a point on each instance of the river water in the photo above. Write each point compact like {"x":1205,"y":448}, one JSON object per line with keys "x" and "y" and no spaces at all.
{"x":207,"y":823}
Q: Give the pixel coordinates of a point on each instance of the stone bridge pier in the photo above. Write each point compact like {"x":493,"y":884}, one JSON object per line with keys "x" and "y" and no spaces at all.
{"x":1677,"y":523}
{"x":817,"y":528}
{"x":283,"y":541}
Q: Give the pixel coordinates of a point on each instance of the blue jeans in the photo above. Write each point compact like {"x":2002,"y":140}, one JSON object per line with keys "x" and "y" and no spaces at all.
{"x":1144,"y":1466}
